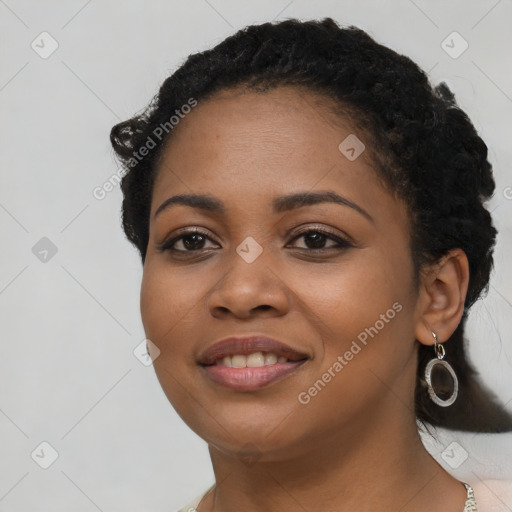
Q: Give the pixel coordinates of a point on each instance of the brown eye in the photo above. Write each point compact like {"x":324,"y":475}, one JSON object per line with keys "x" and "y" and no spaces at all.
{"x":317,"y":240}
{"x":193,"y":242}
{"x":187,"y":241}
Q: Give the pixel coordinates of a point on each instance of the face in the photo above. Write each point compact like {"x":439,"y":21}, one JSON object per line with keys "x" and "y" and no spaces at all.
{"x":297,"y":243}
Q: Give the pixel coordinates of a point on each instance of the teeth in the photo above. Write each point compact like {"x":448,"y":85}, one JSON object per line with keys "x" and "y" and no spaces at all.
{"x":270,"y":358}
{"x":239,"y":361}
{"x":255,"y":360}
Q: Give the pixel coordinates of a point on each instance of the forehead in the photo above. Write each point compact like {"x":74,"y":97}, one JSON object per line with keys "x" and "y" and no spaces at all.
{"x":247,"y":149}
{"x":284,"y":134}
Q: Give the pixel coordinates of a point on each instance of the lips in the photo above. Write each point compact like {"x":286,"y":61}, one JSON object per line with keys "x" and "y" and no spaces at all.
{"x":248,"y":345}
{"x":236,"y":363}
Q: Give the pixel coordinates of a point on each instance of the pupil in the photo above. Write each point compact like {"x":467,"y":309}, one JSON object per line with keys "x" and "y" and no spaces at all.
{"x":317,"y":240}
{"x":192,"y":241}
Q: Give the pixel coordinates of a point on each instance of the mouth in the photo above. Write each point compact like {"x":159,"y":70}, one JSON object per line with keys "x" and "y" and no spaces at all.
{"x":250,"y":363}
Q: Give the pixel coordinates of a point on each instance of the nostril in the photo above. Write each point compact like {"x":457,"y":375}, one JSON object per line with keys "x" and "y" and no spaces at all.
{"x":264,"y":307}
{"x":222,"y":310}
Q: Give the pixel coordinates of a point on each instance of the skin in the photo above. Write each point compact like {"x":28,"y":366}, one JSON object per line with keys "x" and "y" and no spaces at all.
{"x":355,"y":445}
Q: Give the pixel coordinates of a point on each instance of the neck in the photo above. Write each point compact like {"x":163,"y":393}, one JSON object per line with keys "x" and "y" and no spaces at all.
{"x":378,"y":466}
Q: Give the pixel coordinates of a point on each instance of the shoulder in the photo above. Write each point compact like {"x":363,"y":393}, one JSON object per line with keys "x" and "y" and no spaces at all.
{"x":493,"y":495}
{"x":191,"y":506}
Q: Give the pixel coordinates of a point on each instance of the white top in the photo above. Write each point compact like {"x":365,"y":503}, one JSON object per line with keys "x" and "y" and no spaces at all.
{"x":470,"y":505}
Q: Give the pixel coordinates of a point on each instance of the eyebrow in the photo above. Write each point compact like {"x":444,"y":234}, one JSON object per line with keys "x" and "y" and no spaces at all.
{"x":280,"y":204}
{"x":300,"y":199}
{"x":200,"y":201}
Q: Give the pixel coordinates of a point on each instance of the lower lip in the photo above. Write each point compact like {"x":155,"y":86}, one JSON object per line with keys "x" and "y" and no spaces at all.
{"x":250,"y":379}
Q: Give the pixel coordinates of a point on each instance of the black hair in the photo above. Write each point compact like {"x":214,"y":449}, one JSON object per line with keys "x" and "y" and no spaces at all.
{"x":426,"y":149}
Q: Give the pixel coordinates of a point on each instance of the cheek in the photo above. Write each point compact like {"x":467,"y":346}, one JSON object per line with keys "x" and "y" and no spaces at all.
{"x":354,"y":293}
{"x":166,"y":299}
{"x":168,"y":303}
{"x":365,"y":309}
{"x":365,"y":317}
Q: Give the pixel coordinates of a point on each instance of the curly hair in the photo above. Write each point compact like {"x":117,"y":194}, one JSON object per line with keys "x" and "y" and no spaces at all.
{"x":425,"y":148}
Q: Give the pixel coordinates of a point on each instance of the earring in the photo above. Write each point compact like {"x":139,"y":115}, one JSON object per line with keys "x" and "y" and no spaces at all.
{"x":435,"y":369}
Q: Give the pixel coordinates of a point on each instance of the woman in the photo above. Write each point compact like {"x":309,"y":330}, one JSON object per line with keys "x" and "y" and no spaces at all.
{"x":309,"y":214}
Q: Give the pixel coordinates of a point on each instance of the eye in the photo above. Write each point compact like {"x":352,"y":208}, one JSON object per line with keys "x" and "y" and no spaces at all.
{"x":190,"y":240}
{"x":315,"y":239}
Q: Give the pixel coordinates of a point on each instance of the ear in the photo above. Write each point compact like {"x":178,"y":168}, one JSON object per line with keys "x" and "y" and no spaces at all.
{"x":442,"y":293}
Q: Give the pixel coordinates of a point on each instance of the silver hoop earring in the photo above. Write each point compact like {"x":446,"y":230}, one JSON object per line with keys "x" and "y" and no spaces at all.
{"x":438,"y":370}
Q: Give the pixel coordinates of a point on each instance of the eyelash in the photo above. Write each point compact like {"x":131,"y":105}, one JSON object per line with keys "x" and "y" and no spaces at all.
{"x":167,"y":246}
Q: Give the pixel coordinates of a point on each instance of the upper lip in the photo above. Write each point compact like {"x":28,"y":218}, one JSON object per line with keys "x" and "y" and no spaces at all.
{"x":245,"y":345}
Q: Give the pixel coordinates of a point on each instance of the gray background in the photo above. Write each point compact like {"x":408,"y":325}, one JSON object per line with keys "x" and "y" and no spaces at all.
{"x":70,"y":323}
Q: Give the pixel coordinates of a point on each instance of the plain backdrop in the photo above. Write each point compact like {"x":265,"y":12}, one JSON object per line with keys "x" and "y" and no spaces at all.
{"x":69,"y":281}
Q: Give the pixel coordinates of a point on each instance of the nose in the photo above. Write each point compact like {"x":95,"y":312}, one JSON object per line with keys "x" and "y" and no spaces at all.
{"x":248,"y":290}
